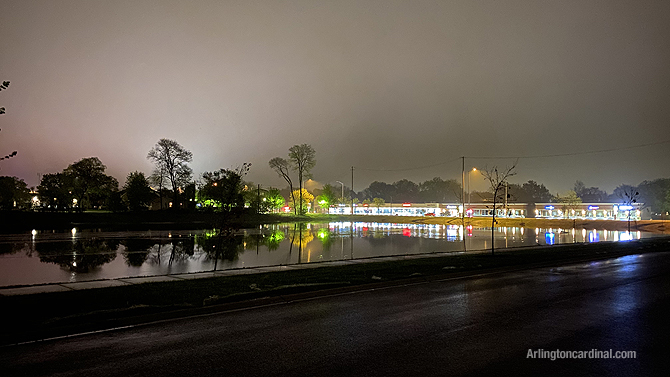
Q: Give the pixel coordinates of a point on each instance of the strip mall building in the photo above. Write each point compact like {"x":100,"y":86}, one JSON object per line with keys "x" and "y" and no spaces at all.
{"x":591,"y":211}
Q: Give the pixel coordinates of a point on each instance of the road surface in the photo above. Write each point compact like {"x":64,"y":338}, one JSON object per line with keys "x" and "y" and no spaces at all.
{"x":482,"y":325}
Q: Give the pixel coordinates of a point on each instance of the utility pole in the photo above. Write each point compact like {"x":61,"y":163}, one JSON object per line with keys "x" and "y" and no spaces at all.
{"x":463,"y":199}
{"x":258,"y":205}
{"x":463,"y":189}
{"x":352,"y":190}
{"x":506,"y":187}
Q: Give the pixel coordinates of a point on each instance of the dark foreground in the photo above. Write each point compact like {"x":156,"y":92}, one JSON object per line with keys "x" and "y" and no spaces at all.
{"x":479,"y":325}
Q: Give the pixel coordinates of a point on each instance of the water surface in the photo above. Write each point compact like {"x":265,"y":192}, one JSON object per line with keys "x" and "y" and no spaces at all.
{"x":81,"y":255}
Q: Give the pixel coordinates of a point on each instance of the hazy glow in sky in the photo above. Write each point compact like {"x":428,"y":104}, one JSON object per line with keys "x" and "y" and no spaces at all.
{"x":375,"y":84}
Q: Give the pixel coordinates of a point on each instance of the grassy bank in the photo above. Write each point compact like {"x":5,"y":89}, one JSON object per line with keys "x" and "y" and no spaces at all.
{"x":49,"y":314}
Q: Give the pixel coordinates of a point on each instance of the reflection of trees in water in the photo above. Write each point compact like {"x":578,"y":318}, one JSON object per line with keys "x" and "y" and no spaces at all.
{"x":300,"y":235}
{"x":80,"y":255}
{"x":273,"y":240}
{"x":183,"y":247}
{"x":14,"y":247}
{"x":253,"y":241}
{"x":217,"y":245}
{"x":137,"y":250}
{"x":177,"y":249}
{"x":326,"y":237}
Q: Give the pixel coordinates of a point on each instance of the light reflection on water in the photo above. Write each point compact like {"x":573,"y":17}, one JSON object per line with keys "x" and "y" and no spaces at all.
{"x":79,"y":255}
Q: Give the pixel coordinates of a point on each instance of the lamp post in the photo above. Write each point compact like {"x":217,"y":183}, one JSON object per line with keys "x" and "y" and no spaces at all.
{"x":469,"y":189}
{"x":341,"y":197}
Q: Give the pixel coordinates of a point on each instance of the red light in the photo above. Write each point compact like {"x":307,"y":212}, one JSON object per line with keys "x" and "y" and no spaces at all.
{"x":406,"y":232}
{"x":407,"y":204}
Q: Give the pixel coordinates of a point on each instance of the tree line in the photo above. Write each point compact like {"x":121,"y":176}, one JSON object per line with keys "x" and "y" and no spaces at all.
{"x":84,"y":185}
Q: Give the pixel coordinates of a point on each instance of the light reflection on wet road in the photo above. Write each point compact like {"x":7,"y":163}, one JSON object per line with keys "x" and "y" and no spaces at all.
{"x":480,"y":325}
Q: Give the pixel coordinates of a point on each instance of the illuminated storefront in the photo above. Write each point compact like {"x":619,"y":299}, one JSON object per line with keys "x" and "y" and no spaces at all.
{"x":591,"y":211}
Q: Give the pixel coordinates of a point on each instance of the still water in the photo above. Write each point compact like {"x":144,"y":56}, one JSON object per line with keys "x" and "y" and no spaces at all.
{"x":39,"y":257}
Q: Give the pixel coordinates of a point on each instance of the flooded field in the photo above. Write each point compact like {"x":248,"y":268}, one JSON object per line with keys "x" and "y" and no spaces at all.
{"x":39,"y":257}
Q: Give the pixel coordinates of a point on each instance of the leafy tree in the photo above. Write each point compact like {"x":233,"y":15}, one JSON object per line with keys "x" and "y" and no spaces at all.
{"x":536,"y":193}
{"x":274,"y":199}
{"x":54,"y":191}
{"x":306,"y":198}
{"x":589,"y":194}
{"x":190,"y":191}
{"x":380,"y":190}
{"x":224,"y":187}
{"x":665,"y":206}
{"x":569,"y":202}
{"x":497,"y":179}
{"x":137,"y":192}
{"x":171,"y":166}
{"x":303,"y":159}
{"x":89,"y":183}
{"x":529,"y":192}
{"x":438,"y":190}
{"x":406,"y":191}
{"x":327,"y":197}
{"x":378,"y":202}
{"x":620,"y":192}
{"x":282,"y":167}
{"x":14,"y":193}
{"x":653,"y":193}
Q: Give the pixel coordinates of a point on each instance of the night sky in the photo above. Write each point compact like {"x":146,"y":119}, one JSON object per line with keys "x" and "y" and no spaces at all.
{"x":389,"y":87}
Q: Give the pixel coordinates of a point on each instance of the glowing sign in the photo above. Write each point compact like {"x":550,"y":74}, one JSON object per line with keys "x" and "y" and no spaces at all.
{"x":593,"y":207}
{"x":625,"y":208}
{"x":406,"y":204}
{"x":549,"y":238}
{"x":549,"y":207}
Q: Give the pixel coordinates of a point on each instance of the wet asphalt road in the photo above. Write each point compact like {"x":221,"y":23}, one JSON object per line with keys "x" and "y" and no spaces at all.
{"x":478,"y":326}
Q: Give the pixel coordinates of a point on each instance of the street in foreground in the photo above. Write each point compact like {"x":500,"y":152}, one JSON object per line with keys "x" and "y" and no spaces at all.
{"x":479,"y":325}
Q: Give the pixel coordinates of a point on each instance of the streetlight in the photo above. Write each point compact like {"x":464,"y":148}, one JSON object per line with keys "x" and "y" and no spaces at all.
{"x":469,"y":190}
{"x":342,"y":197}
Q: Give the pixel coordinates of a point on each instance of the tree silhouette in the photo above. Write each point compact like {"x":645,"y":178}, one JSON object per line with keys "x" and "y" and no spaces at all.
{"x":497,"y":179}
{"x":303,"y":159}
{"x":4,"y":86}
{"x":282,"y":167}
{"x":171,"y":161}
{"x":87,"y":179}
{"x":137,"y":193}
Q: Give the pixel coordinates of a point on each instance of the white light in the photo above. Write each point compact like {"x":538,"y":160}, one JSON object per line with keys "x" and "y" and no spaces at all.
{"x":34,"y":232}
{"x":74,"y":231}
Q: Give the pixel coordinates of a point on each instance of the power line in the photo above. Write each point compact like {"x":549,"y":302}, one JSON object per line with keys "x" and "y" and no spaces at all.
{"x":573,"y":153}
{"x":414,"y":168}
{"x":521,"y":157}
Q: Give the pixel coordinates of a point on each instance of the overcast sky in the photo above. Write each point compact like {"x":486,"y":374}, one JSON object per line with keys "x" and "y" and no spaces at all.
{"x":379,"y":85}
